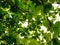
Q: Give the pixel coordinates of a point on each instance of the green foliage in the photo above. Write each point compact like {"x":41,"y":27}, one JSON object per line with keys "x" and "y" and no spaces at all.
{"x":21,"y":22}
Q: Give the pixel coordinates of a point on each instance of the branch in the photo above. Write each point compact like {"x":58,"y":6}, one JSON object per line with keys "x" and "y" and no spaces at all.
{"x":42,"y":1}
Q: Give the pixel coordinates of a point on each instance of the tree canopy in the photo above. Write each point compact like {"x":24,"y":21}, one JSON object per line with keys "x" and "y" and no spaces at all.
{"x":29,"y":22}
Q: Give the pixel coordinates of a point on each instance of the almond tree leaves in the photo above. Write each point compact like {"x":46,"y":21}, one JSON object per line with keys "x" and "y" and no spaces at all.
{"x":25,"y":5}
{"x":37,"y":2}
{"x":1,"y":29}
{"x":3,"y":3}
{"x":55,"y":41}
{"x":13,"y":13}
{"x":48,"y":7}
{"x":52,"y":1}
{"x":46,"y":23}
{"x":29,"y":42}
{"x":56,"y":29}
{"x":2,"y":13}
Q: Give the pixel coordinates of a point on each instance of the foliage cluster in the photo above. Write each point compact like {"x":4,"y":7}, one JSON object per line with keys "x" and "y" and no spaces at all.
{"x":14,"y":14}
